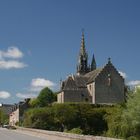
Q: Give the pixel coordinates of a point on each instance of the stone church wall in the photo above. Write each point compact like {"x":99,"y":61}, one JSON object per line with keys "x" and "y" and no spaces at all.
{"x":109,"y":86}
{"x":76,"y":96}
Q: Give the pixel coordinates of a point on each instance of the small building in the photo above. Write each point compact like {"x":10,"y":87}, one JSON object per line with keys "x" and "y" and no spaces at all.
{"x":91,"y":84}
{"x":17,"y":111}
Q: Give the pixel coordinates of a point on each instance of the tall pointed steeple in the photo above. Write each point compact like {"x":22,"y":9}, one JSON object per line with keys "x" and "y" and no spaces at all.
{"x":93,"y":63}
{"x":82,"y":66}
{"x":82,"y":49}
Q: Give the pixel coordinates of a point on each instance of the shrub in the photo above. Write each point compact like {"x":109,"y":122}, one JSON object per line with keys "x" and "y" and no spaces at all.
{"x":132,"y":138}
{"x":73,"y":117}
{"x":76,"y":131}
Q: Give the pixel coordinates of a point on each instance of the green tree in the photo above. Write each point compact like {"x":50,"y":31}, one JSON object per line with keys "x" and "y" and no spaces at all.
{"x":131,"y":116}
{"x":3,"y":117}
{"x":124,"y":121}
{"x":33,"y":102}
{"x":114,"y":120}
{"x":45,"y":98}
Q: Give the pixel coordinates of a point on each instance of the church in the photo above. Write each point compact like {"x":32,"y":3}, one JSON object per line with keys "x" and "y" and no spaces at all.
{"x":90,"y":84}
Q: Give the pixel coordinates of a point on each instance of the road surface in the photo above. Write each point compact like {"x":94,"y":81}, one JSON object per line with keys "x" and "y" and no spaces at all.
{"x":6,"y":134}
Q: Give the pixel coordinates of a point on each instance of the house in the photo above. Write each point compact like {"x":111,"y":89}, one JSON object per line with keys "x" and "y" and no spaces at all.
{"x":17,"y":111}
{"x":91,"y":84}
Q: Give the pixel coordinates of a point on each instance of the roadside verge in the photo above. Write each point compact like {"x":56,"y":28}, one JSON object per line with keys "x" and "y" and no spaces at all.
{"x":54,"y":135}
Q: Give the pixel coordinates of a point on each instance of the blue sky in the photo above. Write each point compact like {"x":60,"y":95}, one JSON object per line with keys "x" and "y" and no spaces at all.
{"x":40,"y":41}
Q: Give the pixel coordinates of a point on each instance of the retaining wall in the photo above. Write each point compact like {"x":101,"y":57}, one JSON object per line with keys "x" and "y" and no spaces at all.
{"x":54,"y":135}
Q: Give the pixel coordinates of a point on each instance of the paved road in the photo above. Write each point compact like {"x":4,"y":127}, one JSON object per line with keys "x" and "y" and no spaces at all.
{"x":6,"y":134}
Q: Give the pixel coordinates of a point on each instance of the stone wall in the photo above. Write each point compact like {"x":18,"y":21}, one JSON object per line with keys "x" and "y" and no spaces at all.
{"x":80,"y":95}
{"x":109,"y":86}
{"x":53,"y":135}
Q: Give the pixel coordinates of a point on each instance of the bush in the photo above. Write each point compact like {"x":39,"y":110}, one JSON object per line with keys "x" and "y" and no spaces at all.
{"x":76,"y":131}
{"x":124,"y":121}
{"x":114,"y":121}
{"x":131,"y":115}
{"x":77,"y":118}
{"x":132,"y":138}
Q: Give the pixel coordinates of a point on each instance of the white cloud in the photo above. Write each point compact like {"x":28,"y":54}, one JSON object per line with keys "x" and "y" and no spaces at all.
{"x":23,"y":96}
{"x":11,"y":64}
{"x":36,"y":89}
{"x":12,"y":52}
{"x":36,"y":86}
{"x":134,"y":83}
{"x":39,"y":83}
{"x":4,"y":94}
{"x":6,"y":58}
{"x":123,"y":74}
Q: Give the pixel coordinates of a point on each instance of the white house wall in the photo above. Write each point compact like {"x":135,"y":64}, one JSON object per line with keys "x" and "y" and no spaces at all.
{"x":91,"y":89}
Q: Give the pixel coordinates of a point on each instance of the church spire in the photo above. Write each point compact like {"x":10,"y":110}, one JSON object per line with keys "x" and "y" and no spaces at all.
{"x":82,"y":66}
{"x":93,"y":63}
{"x":82,"y":49}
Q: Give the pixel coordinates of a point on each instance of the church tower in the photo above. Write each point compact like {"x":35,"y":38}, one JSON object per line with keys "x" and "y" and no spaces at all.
{"x":93,"y":63}
{"x":82,"y":66}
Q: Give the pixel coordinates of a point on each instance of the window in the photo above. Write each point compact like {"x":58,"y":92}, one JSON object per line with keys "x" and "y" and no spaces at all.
{"x":90,"y":87}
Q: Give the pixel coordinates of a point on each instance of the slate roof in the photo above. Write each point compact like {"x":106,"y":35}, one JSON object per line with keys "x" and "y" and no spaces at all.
{"x":69,"y":84}
{"x":80,"y":80}
{"x":93,"y":74}
{"x":75,"y":82}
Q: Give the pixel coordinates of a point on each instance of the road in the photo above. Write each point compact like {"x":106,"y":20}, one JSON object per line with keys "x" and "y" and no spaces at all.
{"x":6,"y":134}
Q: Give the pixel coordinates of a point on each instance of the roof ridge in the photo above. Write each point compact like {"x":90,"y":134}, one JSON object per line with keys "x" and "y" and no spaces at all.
{"x":93,"y":74}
